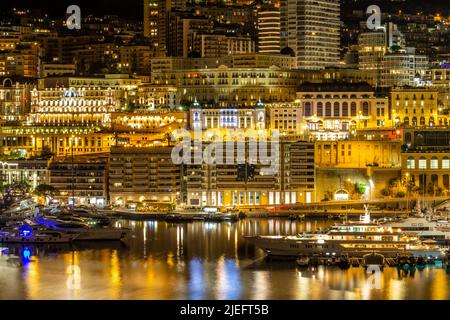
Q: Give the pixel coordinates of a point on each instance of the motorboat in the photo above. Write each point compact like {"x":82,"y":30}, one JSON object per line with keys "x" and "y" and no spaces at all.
{"x":352,"y":239}
{"x":344,"y":263}
{"x":33,"y":234}
{"x":373,"y":259}
{"x":85,"y":231}
{"x":303,"y":262}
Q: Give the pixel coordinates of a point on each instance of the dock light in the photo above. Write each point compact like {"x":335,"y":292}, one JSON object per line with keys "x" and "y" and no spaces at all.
{"x":25,"y":231}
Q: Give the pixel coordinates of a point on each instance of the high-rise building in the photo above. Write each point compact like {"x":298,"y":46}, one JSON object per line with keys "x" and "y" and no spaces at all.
{"x":155,"y":23}
{"x":383,"y":55}
{"x":268,"y":30}
{"x":310,"y":28}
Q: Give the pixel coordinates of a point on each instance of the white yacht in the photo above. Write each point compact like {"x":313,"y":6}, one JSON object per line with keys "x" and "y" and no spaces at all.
{"x":85,"y":231}
{"x":34,"y":234}
{"x":424,"y":227}
{"x":353,"y":239}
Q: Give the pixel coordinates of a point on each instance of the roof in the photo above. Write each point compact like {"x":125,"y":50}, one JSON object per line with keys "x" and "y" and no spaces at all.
{"x":335,"y":87}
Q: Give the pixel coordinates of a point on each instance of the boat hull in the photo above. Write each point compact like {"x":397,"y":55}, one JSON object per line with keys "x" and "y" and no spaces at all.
{"x":292,"y":248}
{"x":38,"y":239}
{"x":107,"y":234}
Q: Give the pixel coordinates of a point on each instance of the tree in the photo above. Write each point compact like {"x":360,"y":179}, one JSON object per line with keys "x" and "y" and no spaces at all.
{"x":45,"y":190}
{"x":46,"y":153}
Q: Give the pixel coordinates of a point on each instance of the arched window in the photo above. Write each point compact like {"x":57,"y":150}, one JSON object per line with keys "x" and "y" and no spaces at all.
{"x":422,"y":121}
{"x":434,"y":179}
{"x":336,"y":107}
{"x":328,"y":109}
{"x":446,"y":181}
{"x":431,"y":122}
{"x":319,"y":109}
{"x":365,"y":109}
{"x":344,"y":111}
{"x":406,"y":121}
{"x":353,"y":109}
{"x":308,"y":111}
{"x":414,"y":121}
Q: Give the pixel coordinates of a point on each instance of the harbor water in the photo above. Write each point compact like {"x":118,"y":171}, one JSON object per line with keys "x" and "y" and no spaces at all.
{"x":198,"y":260}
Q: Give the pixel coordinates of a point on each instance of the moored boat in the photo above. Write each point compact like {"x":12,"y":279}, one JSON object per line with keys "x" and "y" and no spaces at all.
{"x":83,"y":230}
{"x":353,"y":239}
{"x":34,"y":235}
{"x":373,"y":260}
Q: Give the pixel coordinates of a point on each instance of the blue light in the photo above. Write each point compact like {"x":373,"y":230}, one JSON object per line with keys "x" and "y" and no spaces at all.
{"x":26,"y":254}
{"x":25,"y":231}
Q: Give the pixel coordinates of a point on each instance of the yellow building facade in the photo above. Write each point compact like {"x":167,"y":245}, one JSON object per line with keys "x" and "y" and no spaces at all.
{"x":414,"y":107}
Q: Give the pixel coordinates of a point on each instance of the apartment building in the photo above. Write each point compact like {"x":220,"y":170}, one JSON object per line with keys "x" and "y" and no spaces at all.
{"x":247,"y":183}
{"x":80,"y":180}
{"x":144,"y":174}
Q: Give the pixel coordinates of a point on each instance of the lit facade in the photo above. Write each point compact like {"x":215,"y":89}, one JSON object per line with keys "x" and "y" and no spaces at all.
{"x":310,"y":28}
{"x":244,"y":118}
{"x":30,"y":172}
{"x":248,"y":185}
{"x":428,"y":170}
{"x":383,"y":55}
{"x":143,"y":174}
{"x":15,"y":100}
{"x":358,"y":154}
{"x":286,"y":118}
{"x":414,"y":107}
{"x":67,"y":106}
{"x":157,"y":96}
{"x":334,"y":111}
{"x":269,"y":30}
{"x":82,"y":181}
{"x":158,"y":121}
{"x":224,"y":86}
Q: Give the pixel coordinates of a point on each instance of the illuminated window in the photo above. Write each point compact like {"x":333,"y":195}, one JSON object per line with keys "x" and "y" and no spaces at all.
{"x":445,"y":163}
{"x":434,"y":163}
{"x":422,"y":163}
{"x":410,"y":163}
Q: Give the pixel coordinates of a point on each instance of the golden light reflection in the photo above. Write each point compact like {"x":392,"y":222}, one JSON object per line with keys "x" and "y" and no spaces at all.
{"x":396,"y":290}
{"x":115,"y":276}
{"x":261,"y":286}
{"x":33,"y":279}
{"x":439,"y":286}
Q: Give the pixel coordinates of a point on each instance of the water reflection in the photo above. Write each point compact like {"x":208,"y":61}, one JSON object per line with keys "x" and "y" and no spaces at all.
{"x":197,"y":261}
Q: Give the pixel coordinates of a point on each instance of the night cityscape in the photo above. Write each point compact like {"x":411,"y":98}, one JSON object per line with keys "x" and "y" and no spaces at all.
{"x":224,"y":150}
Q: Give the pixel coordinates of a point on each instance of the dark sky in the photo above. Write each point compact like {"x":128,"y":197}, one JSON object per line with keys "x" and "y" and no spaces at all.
{"x":133,"y":8}
{"x":125,"y":8}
